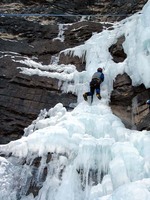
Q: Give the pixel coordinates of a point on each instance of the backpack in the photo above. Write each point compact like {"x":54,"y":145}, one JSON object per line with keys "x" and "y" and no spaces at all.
{"x":97,"y":79}
{"x":94,"y":82}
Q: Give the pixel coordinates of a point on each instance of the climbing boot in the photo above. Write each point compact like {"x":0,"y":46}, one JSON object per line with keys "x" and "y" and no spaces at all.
{"x":98,"y":96}
{"x":85,"y":96}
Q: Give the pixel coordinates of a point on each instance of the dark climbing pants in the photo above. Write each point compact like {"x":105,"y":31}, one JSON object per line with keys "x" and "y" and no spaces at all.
{"x":94,"y":85}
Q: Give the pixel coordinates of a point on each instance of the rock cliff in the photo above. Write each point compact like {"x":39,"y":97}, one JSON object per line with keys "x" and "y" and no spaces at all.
{"x":21,"y":36}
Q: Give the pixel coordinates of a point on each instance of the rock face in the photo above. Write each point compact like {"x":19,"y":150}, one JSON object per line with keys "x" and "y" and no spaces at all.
{"x":123,"y":7}
{"x":22,"y":97}
{"x":128,"y":102}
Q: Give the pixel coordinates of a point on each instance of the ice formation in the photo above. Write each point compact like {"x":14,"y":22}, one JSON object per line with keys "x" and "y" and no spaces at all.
{"x":86,"y":153}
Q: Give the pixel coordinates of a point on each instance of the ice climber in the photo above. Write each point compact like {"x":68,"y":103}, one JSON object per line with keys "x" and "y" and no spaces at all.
{"x":97,"y":79}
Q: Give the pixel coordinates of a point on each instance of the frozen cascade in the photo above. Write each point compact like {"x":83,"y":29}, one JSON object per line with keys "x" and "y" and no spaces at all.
{"x":69,"y":162}
{"x":87,"y":153}
{"x":62,"y":28}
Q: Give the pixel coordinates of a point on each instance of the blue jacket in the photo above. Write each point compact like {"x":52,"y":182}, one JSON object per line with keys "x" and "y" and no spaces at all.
{"x":98,"y":75}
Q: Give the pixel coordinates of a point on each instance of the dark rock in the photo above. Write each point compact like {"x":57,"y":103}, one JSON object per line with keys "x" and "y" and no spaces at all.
{"x":22,"y":28}
{"x":79,"y":32}
{"x":117,"y":51}
{"x":121,"y":9}
{"x":141,"y":111}
{"x":123,"y":90}
{"x":129,"y":103}
{"x":74,"y":60}
{"x":22,"y":97}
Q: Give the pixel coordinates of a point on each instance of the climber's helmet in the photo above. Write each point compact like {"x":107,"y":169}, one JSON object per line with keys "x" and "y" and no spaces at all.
{"x":148,"y":101}
{"x":99,"y":69}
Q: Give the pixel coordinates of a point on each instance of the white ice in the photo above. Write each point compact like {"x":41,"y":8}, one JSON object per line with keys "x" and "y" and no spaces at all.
{"x":94,"y":157}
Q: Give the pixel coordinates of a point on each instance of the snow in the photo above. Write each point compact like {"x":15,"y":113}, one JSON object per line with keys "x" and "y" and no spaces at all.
{"x":92,"y":155}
